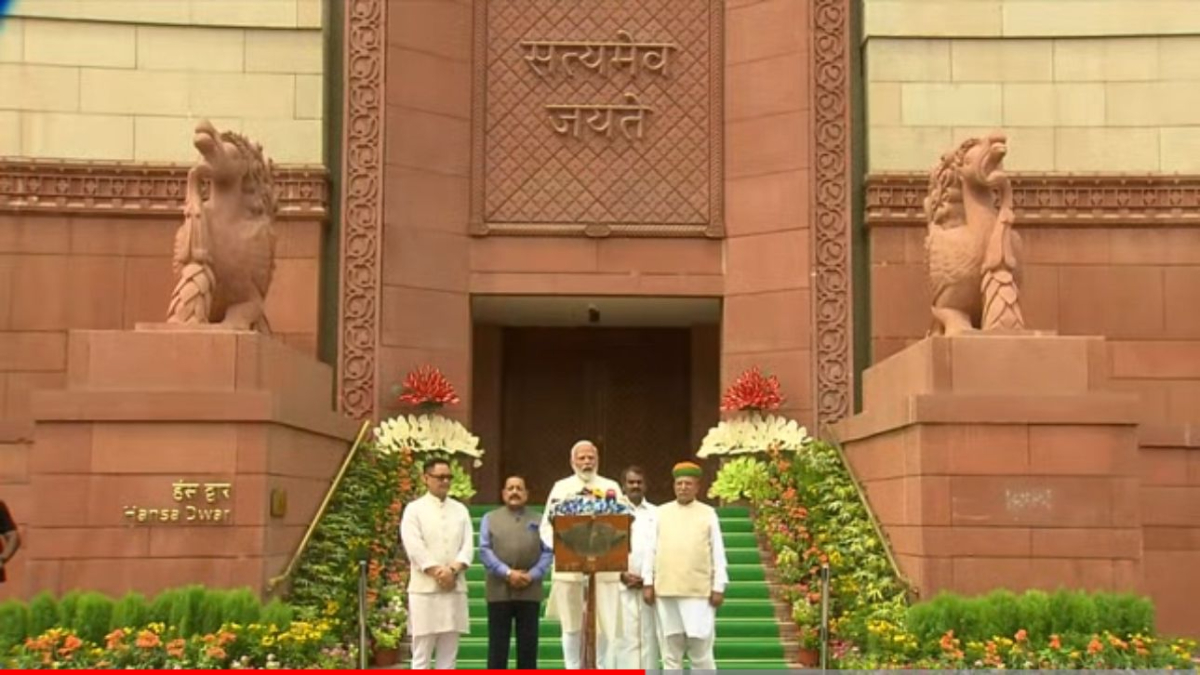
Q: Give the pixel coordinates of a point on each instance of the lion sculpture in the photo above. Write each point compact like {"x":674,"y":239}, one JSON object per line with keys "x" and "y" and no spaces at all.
{"x":971,"y":250}
{"x":225,"y":250}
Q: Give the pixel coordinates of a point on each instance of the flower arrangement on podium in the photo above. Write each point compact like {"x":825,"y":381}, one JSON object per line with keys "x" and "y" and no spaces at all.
{"x":426,"y":433}
{"x":750,"y":430}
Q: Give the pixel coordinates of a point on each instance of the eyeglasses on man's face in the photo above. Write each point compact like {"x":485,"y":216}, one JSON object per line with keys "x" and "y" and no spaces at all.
{"x":439,"y":476}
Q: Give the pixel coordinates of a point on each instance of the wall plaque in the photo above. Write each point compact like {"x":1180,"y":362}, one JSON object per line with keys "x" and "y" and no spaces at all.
{"x":598,"y":118}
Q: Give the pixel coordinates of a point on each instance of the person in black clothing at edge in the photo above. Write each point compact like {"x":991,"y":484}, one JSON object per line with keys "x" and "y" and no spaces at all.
{"x":517,"y":561}
{"x":10,"y":539}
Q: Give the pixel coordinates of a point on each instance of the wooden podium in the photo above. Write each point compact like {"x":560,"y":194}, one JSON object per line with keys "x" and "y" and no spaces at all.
{"x":591,"y":544}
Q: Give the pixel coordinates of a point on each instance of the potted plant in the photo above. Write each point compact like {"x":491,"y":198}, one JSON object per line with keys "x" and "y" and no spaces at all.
{"x":387,"y":627}
{"x":804,"y":613}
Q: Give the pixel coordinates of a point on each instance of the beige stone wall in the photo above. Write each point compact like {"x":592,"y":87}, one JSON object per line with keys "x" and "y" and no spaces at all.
{"x":1080,"y":85}
{"x":127,"y":79}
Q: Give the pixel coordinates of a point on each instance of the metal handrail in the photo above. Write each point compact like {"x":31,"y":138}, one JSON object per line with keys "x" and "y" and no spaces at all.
{"x":909,"y":587}
{"x":312,"y":526}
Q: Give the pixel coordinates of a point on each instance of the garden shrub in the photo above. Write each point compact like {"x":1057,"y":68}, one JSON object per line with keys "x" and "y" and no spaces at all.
{"x":14,"y":623}
{"x":93,"y":616}
{"x":130,"y":611}
{"x":43,"y":613}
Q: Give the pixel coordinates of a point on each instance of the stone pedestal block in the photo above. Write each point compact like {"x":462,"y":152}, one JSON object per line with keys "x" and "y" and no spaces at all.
{"x":1001,"y":461}
{"x":155,"y":467}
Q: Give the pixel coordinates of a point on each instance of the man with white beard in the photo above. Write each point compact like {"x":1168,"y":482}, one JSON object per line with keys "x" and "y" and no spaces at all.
{"x":637,"y":648}
{"x":566,"y":588}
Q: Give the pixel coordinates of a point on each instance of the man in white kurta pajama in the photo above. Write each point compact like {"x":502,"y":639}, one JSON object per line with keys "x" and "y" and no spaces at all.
{"x":637,"y":648}
{"x":685,"y":574}
{"x":437,"y":535}
{"x":566,"y":588}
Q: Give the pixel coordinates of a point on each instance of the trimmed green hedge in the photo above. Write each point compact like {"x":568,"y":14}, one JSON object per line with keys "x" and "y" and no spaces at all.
{"x":1040,"y":614}
{"x":187,"y":611}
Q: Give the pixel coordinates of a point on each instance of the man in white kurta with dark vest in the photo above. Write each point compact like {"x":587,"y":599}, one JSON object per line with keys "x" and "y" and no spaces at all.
{"x":566,"y":588}
{"x":685,"y":574}
{"x":440,"y":542}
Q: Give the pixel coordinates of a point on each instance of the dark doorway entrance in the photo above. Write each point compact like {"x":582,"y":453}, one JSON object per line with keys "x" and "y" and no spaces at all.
{"x":629,"y":390}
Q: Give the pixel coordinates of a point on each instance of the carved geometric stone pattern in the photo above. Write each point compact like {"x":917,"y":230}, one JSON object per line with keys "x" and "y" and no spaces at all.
{"x":1054,"y":200}
{"x":830,"y":89}
{"x":111,"y":188}
{"x":530,"y":180}
{"x":362,"y":206}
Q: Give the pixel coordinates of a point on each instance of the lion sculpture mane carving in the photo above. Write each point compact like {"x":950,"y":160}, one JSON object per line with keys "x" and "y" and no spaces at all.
{"x":225,"y":250}
{"x":971,"y":250}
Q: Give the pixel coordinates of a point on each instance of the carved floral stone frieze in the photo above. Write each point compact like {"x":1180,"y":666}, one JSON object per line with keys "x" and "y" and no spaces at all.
{"x":364,"y":75}
{"x":1054,"y":200}
{"x":97,"y":188}
{"x":833,"y":293}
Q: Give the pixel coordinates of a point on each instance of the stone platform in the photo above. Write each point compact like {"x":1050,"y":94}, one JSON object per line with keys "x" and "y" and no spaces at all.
{"x":157,"y":465}
{"x":1002,"y":461}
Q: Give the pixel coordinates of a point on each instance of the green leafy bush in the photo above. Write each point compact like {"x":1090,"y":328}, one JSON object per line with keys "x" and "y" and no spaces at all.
{"x":93,"y":616}
{"x":131,"y":610}
{"x":14,"y":623}
{"x":43,"y":613}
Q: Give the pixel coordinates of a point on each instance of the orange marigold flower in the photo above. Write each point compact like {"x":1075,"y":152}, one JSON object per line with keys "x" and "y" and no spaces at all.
{"x":70,"y":645}
{"x":1055,"y":642}
{"x":1095,"y":646}
{"x":1021,"y":635}
{"x":147,"y":640}
{"x":113,"y":638}
{"x":215,"y":653}
{"x":175,"y":647}
{"x":225,"y":638}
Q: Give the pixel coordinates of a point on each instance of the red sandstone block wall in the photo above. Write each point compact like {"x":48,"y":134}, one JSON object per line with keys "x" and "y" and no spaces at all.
{"x":1138,"y":287}
{"x":59,"y":273}
{"x":971,"y":508}
{"x":1170,"y":501}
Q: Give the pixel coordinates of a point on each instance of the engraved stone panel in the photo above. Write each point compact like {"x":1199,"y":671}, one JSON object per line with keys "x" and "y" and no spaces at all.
{"x":598,"y":118}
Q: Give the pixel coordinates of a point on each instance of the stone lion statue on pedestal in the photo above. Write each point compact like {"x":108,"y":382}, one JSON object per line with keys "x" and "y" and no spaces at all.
{"x":225,"y":250}
{"x":971,"y":250}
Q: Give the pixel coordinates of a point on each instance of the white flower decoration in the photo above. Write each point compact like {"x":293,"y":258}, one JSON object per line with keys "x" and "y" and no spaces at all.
{"x":427,"y":433}
{"x":753,"y":433}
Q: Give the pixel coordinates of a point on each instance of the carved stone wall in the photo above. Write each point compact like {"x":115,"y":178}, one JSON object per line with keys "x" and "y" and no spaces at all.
{"x":598,"y":118}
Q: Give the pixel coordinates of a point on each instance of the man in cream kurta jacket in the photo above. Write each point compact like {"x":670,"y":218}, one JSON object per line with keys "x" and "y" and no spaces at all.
{"x":437,"y":535}
{"x":566,"y":588}
{"x":685,"y":573}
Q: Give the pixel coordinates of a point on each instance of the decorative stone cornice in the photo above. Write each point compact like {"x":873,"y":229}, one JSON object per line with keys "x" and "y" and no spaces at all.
{"x":1054,"y":200}
{"x":115,"y":188}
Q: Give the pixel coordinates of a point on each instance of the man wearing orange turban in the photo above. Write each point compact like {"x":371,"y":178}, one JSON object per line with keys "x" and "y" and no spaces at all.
{"x":685,"y":573}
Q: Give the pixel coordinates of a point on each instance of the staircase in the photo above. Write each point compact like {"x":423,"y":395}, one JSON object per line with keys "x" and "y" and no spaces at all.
{"x":747,"y":633}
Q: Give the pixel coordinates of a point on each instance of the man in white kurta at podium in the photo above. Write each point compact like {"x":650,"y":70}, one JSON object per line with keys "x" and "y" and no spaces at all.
{"x":637,"y":648}
{"x":566,"y":588}
{"x":440,"y":542}
{"x":685,"y":574}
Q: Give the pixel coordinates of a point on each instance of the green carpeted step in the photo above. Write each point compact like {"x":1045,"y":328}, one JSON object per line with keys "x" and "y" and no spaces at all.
{"x":731,"y":627}
{"x":734,"y":607}
{"x":481,"y":663}
{"x":739,"y":540}
{"x":741,"y":571}
{"x":743,"y":556}
{"x":731,"y":648}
